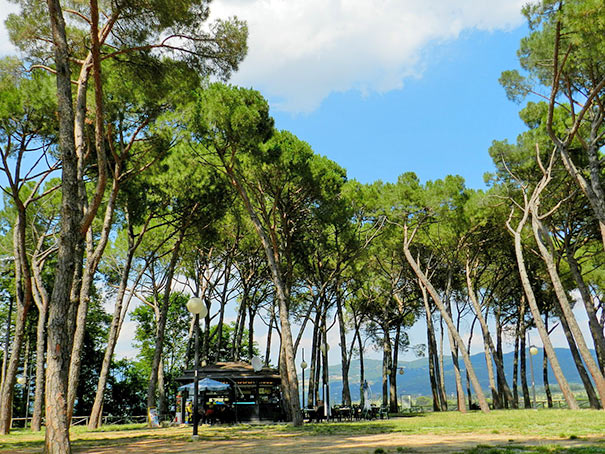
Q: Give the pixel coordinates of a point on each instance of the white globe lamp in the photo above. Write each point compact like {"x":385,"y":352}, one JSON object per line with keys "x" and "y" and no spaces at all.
{"x":197,"y":306}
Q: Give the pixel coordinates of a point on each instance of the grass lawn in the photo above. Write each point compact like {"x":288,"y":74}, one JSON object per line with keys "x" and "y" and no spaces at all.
{"x":513,"y":431}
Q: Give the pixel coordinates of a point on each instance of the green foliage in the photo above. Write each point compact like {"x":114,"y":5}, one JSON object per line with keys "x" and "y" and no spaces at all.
{"x":180,"y":30}
{"x":27,"y":104}
{"x":127,"y":385}
{"x":93,"y":350}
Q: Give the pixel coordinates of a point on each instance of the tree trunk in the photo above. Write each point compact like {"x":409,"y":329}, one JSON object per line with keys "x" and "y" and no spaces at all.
{"x":469,"y":395}
{"x":41,"y":299}
{"x":221,"y":314}
{"x":344,"y":359}
{"x":454,"y":348}
{"x":362,"y":372}
{"x":596,"y":330}
{"x":577,"y":358}
{"x":161,"y":326}
{"x":437,"y":300}
{"x":313,"y":371}
{"x":23,"y":284}
{"x":439,"y":360}
{"x":251,"y":317}
{"x":238,"y":330}
{"x":269,"y":335}
{"x":80,"y":329}
{"x":325,"y":364}
{"x":40,"y":364}
{"x":541,"y":234}
{"x":393,"y":406}
{"x":112,"y":339}
{"x":272,"y":253}
{"x":524,"y":387}
{"x":488,"y":345}
{"x":57,"y":428}
{"x":545,"y":380}
{"x":535,"y":311}
{"x":386,"y":364}
{"x":503,"y":390}
{"x":439,"y":404}
{"x":162,"y":401}
{"x":516,"y":365}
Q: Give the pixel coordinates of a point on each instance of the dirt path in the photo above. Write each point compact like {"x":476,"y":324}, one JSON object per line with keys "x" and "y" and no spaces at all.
{"x":326,"y":444}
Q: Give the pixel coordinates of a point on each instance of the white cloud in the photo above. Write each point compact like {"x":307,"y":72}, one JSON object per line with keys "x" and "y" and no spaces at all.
{"x":6,"y":8}
{"x":303,"y":50}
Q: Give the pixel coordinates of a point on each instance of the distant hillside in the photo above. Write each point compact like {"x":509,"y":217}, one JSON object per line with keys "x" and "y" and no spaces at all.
{"x":415,"y":380}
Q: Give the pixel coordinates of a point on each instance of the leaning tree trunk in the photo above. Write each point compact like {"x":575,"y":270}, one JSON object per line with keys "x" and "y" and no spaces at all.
{"x":450,"y":323}
{"x":112,"y":339}
{"x":41,"y":298}
{"x":535,"y":311}
{"x":272,"y":253}
{"x":454,"y":349}
{"x":593,"y":399}
{"x":221,"y":314}
{"x":596,"y":330}
{"x":161,"y":326}
{"x":439,"y":404}
{"x":23,"y":284}
{"x":541,"y":234}
{"x":488,"y":345}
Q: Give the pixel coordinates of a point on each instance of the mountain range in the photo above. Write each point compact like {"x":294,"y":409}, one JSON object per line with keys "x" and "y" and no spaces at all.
{"x":415,"y":379}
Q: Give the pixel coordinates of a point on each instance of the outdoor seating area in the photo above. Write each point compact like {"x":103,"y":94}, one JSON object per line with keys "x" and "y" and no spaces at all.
{"x":345,"y":413}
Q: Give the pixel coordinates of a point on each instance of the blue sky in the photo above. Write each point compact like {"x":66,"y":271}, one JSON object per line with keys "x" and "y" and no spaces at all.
{"x":439,"y":123}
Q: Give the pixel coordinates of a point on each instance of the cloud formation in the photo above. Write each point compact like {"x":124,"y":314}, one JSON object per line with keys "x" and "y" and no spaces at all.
{"x":303,"y":50}
{"x":6,"y":8}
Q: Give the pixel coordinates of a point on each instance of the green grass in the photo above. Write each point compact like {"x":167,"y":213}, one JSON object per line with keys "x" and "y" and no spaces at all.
{"x":535,"y":449}
{"x":547,"y":424}
{"x":539,"y":423}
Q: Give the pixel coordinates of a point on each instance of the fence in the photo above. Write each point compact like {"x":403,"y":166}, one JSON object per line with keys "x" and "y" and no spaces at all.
{"x":83,"y":420}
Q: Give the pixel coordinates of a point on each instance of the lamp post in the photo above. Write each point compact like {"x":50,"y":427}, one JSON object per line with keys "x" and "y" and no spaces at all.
{"x":303,"y":366}
{"x":325,"y":348}
{"x":23,"y":380}
{"x":197,"y":307}
{"x":533,"y":351}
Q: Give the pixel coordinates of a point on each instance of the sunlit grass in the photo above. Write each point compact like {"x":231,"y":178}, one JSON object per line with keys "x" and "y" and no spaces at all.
{"x":548,"y":424}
